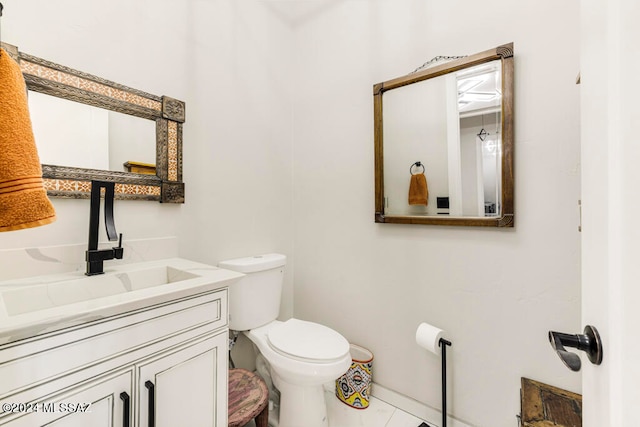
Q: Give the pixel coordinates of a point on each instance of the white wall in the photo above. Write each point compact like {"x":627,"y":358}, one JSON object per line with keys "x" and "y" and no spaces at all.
{"x":230,"y":62}
{"x":239,"y":105}
{"x":496,"y":292}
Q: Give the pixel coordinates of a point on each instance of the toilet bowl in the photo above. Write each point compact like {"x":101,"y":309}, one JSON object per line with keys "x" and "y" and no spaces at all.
{"x":301,"y":355}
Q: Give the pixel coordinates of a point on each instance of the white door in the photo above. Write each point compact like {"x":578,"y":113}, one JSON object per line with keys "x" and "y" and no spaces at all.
{"x":186,"y":386}
{"x":610,"y":117}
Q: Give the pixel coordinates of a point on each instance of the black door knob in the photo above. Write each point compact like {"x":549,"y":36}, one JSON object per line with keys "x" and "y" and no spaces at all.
{"x":589,"y":342}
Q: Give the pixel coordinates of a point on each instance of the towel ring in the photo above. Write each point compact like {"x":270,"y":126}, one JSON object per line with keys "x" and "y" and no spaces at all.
{"x":416,"y":164}
{"x":482,"y":134}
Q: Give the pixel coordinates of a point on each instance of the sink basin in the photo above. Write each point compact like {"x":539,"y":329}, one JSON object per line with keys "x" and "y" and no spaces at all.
{"x":40,"y":297}
{"x":42,"y":304}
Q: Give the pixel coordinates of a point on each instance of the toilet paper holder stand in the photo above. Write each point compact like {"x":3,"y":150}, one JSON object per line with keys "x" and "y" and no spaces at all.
{"x":442,"y":343}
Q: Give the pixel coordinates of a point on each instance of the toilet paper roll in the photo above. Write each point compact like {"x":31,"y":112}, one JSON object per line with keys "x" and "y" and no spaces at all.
{"x":428,"y":336}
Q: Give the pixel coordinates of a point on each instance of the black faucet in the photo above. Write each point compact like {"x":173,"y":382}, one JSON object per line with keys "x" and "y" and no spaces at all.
{"x":95,"y":257}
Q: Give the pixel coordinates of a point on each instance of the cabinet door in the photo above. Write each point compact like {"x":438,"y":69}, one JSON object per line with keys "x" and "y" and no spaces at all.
{"x":104,"y":402}
{"x":185,"y":387}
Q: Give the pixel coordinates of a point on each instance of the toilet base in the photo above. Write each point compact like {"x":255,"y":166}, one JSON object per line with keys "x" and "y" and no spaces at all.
{"x":301,"y":405}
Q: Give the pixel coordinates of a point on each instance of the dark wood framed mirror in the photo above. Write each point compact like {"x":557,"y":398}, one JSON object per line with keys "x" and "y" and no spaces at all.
{"x":452,"y":123}
{"x":160,"y":181}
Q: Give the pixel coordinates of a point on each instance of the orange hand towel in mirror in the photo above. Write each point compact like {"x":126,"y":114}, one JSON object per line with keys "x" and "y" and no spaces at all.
{"x":418,"y":190}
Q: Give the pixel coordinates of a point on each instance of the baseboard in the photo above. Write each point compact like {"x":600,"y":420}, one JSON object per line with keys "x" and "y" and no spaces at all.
{"x":413,"y":407}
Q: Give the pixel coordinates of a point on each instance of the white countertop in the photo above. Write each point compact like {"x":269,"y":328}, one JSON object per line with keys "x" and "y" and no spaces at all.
{"x":42,"y":304}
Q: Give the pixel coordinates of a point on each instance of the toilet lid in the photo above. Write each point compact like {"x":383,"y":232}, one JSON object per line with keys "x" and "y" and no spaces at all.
{"x":307,"y":340}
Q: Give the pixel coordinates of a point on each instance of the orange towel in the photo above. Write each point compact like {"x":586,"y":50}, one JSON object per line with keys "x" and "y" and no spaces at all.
{"x":418,"y":190}
{"x":23,"y":199}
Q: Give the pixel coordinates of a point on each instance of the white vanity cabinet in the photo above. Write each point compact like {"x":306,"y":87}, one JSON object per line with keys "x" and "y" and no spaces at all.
{"x":163,"y":365}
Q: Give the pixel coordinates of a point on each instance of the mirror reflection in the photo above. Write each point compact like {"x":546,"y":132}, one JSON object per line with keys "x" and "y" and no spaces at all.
{"x":444,"y":140}
{"x":72,"y":134}
{"x":451,"y":125}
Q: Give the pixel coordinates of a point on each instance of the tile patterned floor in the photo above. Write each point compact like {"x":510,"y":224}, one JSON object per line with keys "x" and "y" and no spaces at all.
{"x":378,"y":414}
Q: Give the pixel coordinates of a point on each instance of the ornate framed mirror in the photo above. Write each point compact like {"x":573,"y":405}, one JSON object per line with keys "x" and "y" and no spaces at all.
{"x":444,"y":143}
{"x":156,"y":177}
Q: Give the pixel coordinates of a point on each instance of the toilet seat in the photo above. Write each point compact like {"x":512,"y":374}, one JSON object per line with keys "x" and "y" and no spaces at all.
{"x":307,"y":341}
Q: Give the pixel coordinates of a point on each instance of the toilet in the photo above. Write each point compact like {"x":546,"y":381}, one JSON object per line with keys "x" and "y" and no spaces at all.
{"x":301,"y":355}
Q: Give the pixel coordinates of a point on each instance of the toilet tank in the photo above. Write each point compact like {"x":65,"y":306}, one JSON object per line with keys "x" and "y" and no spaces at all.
{"x":254,"y":300}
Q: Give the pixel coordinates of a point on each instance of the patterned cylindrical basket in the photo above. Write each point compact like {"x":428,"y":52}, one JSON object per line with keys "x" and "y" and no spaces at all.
{"x":354,"y":386}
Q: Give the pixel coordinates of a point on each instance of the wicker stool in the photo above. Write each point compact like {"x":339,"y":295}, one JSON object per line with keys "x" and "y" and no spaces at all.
{"x":248,"y":399}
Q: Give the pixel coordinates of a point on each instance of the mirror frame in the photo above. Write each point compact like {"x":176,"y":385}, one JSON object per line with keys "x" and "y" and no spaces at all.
{"x":57,"y":80}
{"x":503,"y":53}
